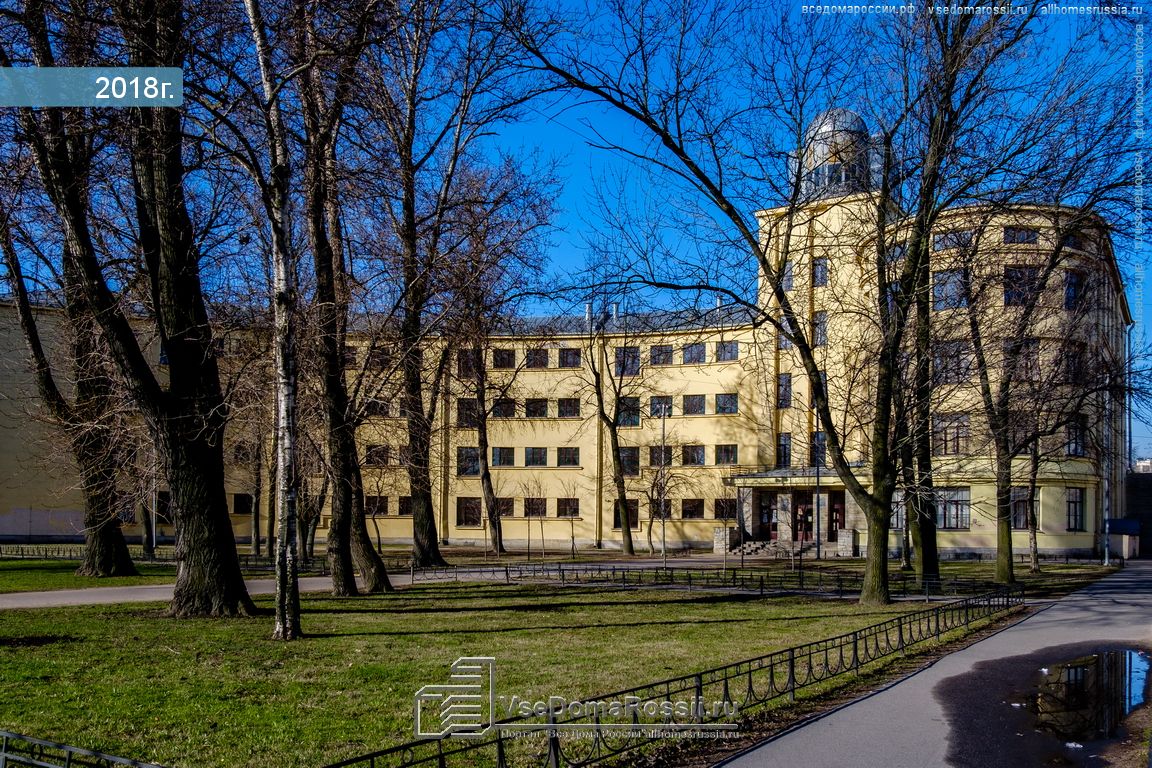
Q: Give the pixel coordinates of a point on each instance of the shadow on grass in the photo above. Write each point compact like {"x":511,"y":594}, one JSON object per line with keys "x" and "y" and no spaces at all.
{"x":35,"y":641}
{"x":521,"y":628}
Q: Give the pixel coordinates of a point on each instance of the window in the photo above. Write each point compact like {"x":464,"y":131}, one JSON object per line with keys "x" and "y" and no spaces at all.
{"x":505,"y":507}
{"x":536,"y":408}
{"x":567,"y":457}
{"x":378,"y":407}
{"x":724,"y":509}
{"x":628,"y":412}
{"x":1076,"y":518}
{"x":951,"y":362}
{"x":783,"y":390}
{"x":953,"y":508}
{"x":1020,"y":506}
{"x":819,"y":271}
{"x":536,"y":358}
{"x":950,"y":434}
{"x":467,"y":461}
{"x":379,"y":358}
{"x":783,"y":339}
{"x":1072,"y":240}
{"x":376,"y":506}
{"x":467,"y":361}
{"x":1076,"y":436}
{"x":503,"y":408}
{"x":660,"y":455}
{"x":728,"y":403}
{"x":660,"y":509}
{"x":467,"y":413}
{"x":692,"y":456}
{"x":627,"y":361}
{"x":503,"y":457}
{"x":567,"y":507}
{"x":242,"y":504}
{"x":956,"y":239}
{"x":468,"y":511}
{"x":783,"y":450}
{"x":404,"y":506}
{"x":629,"y":461}
{"x":818,"y":450}
{"x":692,"y":509}
{"x":1021,"y":286}
{"x":632,"y":509}
{"x":1021,"y":236}
{"x":377,"y":456}
{"x":1075,"y":363}
{"x":786,"y":277}
{"x":661,"y":354}
{"x":503,"y":358}
{"x":727,"y":351}
{"x":950,"y":289}
{"x":819,"y":328}
{"x":535,"y":457}
{"x":568,"y":408}
{"x":163,"y":354}
{"x":660,"y":405}
{"x":693,"y":405}
{"x":1073,"y":289}
{"x":535,"y":507}
{"x":726,"y":454}
{"x":569,"y":358}
{"x":404,"y":455}
{"x":693,"y":354}
{"x":1022,"y":359}
{"x":896,"y":252}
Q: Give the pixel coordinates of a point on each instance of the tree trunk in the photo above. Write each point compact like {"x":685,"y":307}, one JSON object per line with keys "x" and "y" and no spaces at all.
{"x":1033,"y":473}
{"x":368,"y":560}
{"x":105,"y":550}
{"x":874,"y":591}
{"x":1004,"y":568}
{"x":495,"y":529}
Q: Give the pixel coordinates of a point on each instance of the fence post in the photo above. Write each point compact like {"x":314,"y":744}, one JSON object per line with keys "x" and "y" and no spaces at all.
{"x":553,"y":741}
{"x":791,"y":674}
{"x":761,"y":585}
{"x":856,"y":651}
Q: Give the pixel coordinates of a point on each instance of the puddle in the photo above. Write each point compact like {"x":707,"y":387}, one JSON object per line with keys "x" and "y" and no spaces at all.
{"x":1060,"y":706}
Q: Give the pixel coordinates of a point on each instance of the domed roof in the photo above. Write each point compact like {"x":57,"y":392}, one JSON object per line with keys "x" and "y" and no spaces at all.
{"x":834,"y":120}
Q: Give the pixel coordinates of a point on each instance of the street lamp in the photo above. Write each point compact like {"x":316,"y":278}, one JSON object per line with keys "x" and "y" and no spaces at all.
{"x":662,"y":489}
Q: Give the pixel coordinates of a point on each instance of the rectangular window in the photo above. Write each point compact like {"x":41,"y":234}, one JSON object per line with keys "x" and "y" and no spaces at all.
{"x":376,"y":506}
{"x":896,"y":252}
{"x":784,"y":390}
{"x":956,"y":239}
{"x":819,"y":271}
{"x":727,"y":351}
{"x":818,"y":450}
{"x":467,"y":461}
{"x":661,"y":354}
{"x":1021,"y":236}
{"x":660,"y":509}
{"x":378,"y":407}
{"x":950,"y":434}
{"x":379,"y":358}
{"x":404,"y":506}
{"x":724,"y":509}
{"x":504,"y":408}
{"x":567,"y":507}
{"x":1073,"y":289}
{"x":692,"y":456}
{"x":468,"y":511}
{"x":786,"y":277}
{"x":819,"y":329}
{"x":692,"y":509}
{"x":568,"y":408}
{"x":1020,"y":506}
{"x":503,"y":358}
{"x":693,"y":405}
{"x":349,"y":355}
{"x":535,"y":507}
{"x":694,"y":354}
{"x":728,"y":403}
{"x":503,"y":457}
{"x":1021,"y":286}
{"x":466,"y":412}
{"x":1076,"y":434}
{"x":505,"y":507}
{"x":536,"y":408}
{"x":1075,"y":362}
{"x":536,"y":358}
{"x":953,"y":508}
{"x":627,"y":361}
{"x":632,"y":507}
{"x":1076,"y":517}
{"x":783,"y":450}
{"x":950,"y":289}
{"x":660,"y":455}
{"x":567,"y":457}
{"x":783,"y":335}
{"x":628,"y":412}
{"x":570,"y":358}
{"x":404,"y":455}
{"x":242,"y":504}
{"x":660,"y":406}
{"x":467,"y":362}
{"x":535,"y":457}
{"x":727,"y":454}
{"x":1022,"y":359}
{"x":1072,"y":240}
{"x":951,"y":362}
{"x":629,"y":461}
{"x":377,"y":456}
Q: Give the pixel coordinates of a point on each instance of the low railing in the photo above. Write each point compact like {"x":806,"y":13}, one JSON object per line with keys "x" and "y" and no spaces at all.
{"x":16,"y":749}
{"x":585,"y":732}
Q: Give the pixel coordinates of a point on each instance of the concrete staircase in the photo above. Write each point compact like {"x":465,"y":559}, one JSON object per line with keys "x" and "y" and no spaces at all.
{"x":774,"y":549}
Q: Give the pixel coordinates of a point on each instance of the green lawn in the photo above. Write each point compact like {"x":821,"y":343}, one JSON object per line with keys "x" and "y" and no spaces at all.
{"x":219,"y":692}
{"x":42,"y":575}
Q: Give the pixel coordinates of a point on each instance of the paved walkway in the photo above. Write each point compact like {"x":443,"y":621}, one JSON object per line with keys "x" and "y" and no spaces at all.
{"x":938,"y":718}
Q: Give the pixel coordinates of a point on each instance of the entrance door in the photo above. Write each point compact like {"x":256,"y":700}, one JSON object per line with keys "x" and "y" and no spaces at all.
{"x":802,"y":516}
{"x":835,"y":514}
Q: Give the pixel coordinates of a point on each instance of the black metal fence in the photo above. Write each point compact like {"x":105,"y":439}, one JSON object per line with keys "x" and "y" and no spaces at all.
{"x":16,"y":750}
{"x":704,"y":704}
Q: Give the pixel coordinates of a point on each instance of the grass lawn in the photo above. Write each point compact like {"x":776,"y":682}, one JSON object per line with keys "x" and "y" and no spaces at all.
{"x":220,"y":692}
{"x":43,"y":575}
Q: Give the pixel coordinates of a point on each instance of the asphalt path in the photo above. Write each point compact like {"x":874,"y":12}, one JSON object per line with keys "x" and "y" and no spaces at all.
{"x":958,"y":711}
